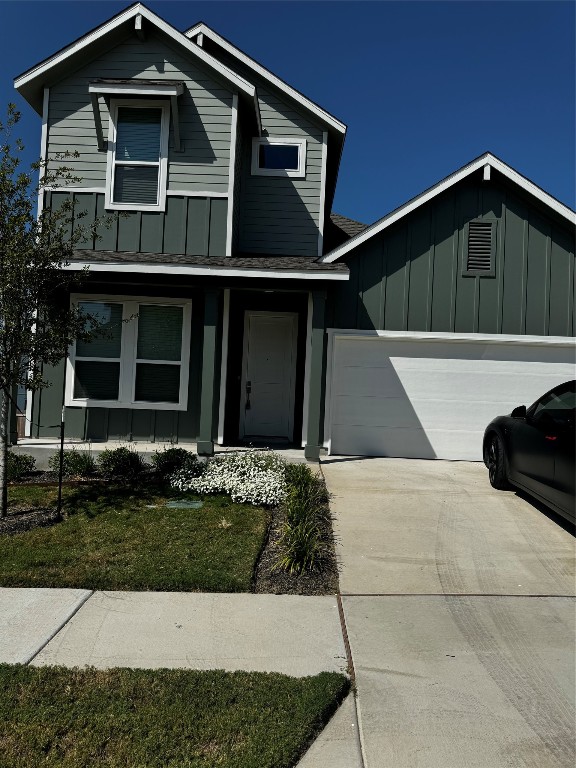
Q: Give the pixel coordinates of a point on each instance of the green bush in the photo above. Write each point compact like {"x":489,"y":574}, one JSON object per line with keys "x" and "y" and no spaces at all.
{"x":307,"y":515}
{"x":121,"y":463}
{"x":19,"y":465}
{"x":74,"y":464}
{"x":172,"y":460}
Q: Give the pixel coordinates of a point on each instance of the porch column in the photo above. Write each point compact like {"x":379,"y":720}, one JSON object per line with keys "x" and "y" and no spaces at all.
{"x":208,"y":399}
{"x":315,"y":393}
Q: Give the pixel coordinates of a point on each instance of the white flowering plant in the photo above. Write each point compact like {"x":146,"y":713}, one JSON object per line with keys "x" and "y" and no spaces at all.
{"x":248,"y":477}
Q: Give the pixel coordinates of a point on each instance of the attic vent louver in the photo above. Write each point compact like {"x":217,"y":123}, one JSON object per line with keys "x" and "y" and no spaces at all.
{"x":479,"y":246}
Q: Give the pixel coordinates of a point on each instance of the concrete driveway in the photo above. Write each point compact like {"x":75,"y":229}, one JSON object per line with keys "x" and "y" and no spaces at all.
{"x":459,"y":604}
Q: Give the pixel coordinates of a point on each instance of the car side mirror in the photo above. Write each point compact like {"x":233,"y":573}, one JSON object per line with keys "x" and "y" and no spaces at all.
{"x":519,"y":413}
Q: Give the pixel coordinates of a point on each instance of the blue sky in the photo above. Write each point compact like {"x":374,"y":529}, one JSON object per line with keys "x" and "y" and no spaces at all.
{"x":424,"y":87}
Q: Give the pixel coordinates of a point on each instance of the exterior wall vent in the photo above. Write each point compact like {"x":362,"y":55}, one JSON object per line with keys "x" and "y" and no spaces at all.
{"x":480,"y":248}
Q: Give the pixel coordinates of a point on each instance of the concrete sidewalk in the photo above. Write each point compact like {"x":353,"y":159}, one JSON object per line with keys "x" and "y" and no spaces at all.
{"x":293,"y":635}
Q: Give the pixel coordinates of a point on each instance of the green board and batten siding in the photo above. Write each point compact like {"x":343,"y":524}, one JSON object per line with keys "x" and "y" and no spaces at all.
{"x":205,"y":111}
{"x":409,"y":276}
{"x":195,"y":226}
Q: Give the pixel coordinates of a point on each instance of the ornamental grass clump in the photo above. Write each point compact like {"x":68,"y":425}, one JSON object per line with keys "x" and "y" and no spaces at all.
{"x":248,"y":477}
{"x":303,"y":544}
{"x":74,"y":463}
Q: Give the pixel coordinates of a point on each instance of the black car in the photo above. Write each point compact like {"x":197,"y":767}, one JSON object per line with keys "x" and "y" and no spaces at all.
{"x":533,"y":449}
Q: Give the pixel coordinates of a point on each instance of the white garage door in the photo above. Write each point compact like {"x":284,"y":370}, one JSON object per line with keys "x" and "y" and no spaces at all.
{"x":420,"y":396}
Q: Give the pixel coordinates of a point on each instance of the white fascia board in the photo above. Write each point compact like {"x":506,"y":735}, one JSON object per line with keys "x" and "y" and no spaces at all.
{"x":141,"y":89}
{"x":482,"y":162}
{"x":479,"y":338}
{"x":109,"y":26}
{"x":186,"y":269}
{"x":326,"y":117}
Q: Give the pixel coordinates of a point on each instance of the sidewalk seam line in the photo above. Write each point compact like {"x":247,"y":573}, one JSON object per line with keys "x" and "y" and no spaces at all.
{"x":352,"y":671}
{"x":60,"y":627}
{"x":450,"y":594}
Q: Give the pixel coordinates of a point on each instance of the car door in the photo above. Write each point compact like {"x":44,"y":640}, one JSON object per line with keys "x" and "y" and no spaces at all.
{"x":532,"y":450}
{"x":562,"y":411}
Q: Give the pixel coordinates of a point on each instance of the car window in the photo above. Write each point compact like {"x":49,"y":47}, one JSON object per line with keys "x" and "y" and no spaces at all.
{"x":557,"y":406}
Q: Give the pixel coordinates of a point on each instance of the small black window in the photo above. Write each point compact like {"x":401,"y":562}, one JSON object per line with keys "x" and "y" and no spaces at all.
{"x":480,"y":248}
{"x":279,"y":156}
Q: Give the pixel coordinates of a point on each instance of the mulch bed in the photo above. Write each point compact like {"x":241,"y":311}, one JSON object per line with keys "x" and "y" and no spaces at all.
{"x":321,"y":581}
{"x":19,"y":521}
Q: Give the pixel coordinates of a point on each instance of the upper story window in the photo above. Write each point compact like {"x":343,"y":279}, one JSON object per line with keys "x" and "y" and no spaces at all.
{"x":279,"y":156}
{"x":137,"y":155}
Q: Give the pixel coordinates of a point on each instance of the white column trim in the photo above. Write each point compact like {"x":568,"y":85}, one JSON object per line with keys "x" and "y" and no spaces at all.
{"x":322,"y":193}
{"x":231,"y":176}
{"x":223,"y":366}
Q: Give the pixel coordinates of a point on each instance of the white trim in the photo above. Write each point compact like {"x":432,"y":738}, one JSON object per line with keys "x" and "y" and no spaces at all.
{"x":307,"y":363}
{"x":481,"y":162}
{"x":162,"y":163}
{"x":223,"y":366}
{"x":136,"y":87}
{"x":231,"y":175}
{"x":326,"y":117}
{"x":117,"y":21}
{"x":191,"y":193}
{"x":486,"y":175}
{"x":128,"y":360}
{"x":419,"y":336}
{"x":184,"y":269}
{"x":298,"y":173}
{"x":322,"y":211}
{"x":169,"y":192}
{"x":41,"y":192}
{"x":480,"y":338}
{"x":43,"y":147}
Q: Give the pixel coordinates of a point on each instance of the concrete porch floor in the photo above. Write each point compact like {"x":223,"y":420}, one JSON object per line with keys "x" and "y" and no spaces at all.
{"x":43,"y":448}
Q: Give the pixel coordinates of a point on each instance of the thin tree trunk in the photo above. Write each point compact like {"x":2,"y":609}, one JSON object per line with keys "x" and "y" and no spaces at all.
{"x":4,"y":431}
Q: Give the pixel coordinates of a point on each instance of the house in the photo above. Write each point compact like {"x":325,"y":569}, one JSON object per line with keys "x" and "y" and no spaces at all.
{"x":239,"y":309}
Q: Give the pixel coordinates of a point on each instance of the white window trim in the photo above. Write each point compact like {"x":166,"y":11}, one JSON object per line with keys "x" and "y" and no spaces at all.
{"x":298,"y":173}
{"x":128,"y":359}
{"x":163,"y":160}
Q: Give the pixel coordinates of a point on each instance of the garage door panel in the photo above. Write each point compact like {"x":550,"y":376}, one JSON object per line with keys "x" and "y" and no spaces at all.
{"x":433,"y":399}
{"x":492,"y":383}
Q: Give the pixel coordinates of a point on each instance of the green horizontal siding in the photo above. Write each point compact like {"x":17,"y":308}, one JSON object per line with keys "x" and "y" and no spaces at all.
{"x":195,"y":226}
{"x":409,"y":277}
{"x":205,"y":112}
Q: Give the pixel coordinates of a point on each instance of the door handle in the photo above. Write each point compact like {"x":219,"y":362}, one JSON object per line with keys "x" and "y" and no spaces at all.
{"x":248,"y":391}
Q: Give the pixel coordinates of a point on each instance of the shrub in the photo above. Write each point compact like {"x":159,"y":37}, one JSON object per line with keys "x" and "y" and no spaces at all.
{"x":121,"y":463}
{"x":172,"y":460}
{"x":19,"y":465}
{"x":303,"y":541}
{"x":74,"y":463}
{"x":248,"y":477}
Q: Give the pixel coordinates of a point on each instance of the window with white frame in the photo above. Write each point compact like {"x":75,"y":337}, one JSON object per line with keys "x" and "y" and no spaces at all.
{"x":137,"y":155}
{"x":279,"y":156}
{"x":138,"y":360}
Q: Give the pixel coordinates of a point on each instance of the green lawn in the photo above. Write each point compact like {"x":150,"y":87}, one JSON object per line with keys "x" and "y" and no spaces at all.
{"x":72,"y":718}
{"x":115,"y":539}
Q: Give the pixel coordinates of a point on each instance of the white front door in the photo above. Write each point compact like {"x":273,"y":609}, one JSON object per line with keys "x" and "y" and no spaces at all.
{"x":268,"y":374}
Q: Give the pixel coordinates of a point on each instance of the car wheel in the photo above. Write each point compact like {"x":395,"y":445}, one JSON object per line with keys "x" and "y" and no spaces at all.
{"x":497,"y":464}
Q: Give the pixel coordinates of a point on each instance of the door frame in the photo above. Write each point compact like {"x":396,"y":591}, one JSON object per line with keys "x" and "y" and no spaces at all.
{"x":292,"y":385}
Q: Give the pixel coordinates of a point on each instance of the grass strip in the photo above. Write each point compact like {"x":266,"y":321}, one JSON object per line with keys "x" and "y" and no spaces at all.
{"x":72,"y":718}
{"x":122,"y":538}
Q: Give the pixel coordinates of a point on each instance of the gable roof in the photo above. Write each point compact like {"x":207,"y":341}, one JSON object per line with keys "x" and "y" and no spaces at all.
{"x":203,"y":29}
{"x":486,"y":160}
{"x":30,"y":83}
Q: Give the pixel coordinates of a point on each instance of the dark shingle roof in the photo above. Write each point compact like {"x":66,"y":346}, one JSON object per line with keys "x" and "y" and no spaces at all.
{"x":339,"y":229}
{"x":264,"y":263}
